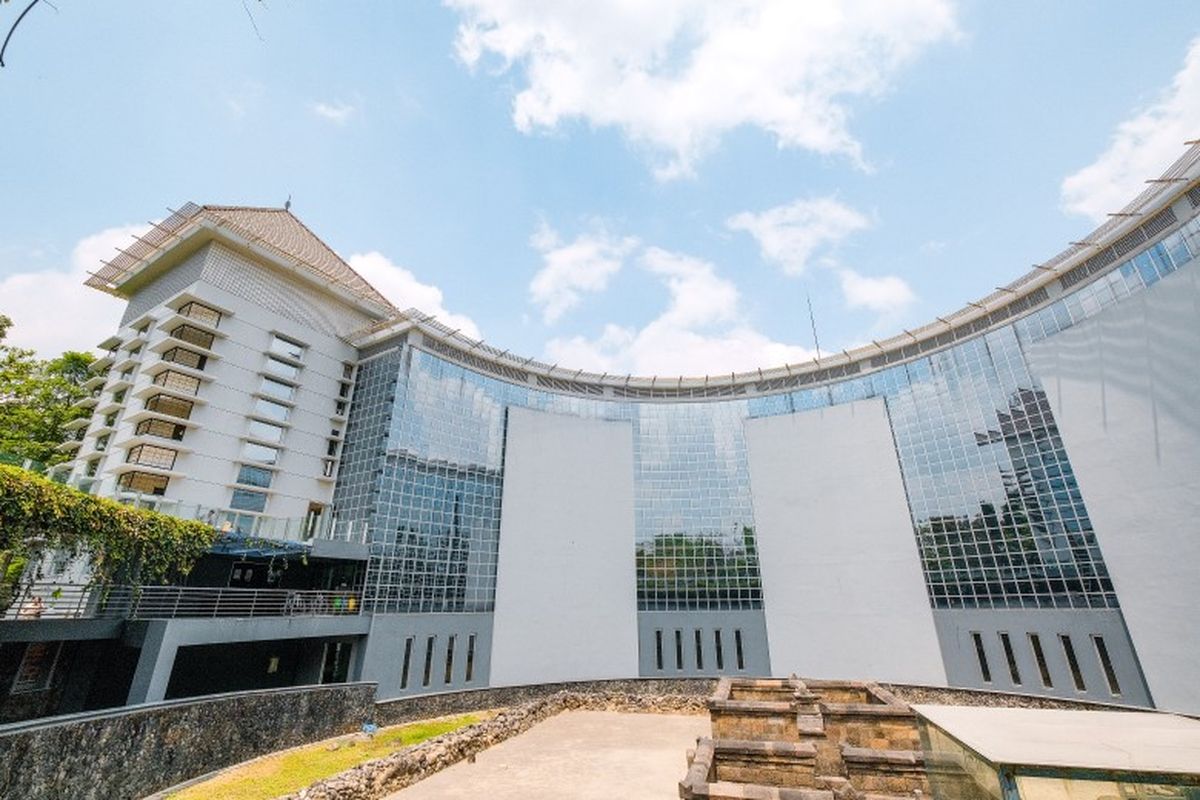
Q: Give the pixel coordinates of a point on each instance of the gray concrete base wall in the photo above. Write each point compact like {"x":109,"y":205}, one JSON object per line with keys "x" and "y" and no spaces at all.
{"x":955,"y":626}
{"x":383,"y":657}
{"x":139,"y":750}
{"x":751,"y":624}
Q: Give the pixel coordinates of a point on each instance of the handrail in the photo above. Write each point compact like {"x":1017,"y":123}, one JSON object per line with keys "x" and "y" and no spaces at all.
{"x":326,"y":527}
{"x":88,"y":601}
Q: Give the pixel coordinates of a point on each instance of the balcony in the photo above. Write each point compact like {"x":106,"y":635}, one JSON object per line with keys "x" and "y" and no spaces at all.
{"x":123,"y":381}
{"x":199,"y":311}
{"x":96,"y":381}
{"x":89,"y":401}
{"x":83,"y":601}
{"x":195,"y":332}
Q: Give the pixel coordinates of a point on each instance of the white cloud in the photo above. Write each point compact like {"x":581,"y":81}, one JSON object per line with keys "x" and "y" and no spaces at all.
{"x":701,"y":331}
{"x":245,"y":99}
{"x":405,"y":291}
{"x":583,"y":265}
{"x":675,"y":76}
{"x":53,"y":311}
{"x":1142,"y":147}
{"x":789,"y":235}
{"x":883,"y":294}
{"x":337,"y":113}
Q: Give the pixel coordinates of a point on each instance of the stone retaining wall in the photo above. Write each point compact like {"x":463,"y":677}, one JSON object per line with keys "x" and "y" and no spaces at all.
{"x":378,"y":778}
{"x":942,"y":695}
{"x":133,"y":752}
{"x":408,"y":709}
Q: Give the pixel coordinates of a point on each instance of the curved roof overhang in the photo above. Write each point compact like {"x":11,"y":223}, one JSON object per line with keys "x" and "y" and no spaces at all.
{"x":1167,"y":202}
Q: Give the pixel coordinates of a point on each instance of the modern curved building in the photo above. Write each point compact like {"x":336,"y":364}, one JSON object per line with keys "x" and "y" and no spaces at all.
{"x":1008,"y":497}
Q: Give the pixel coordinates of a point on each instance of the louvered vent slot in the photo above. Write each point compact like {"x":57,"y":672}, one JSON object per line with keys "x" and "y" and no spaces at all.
{"x":1038,"y":297}
{"x":1160,"y":222}
{"x":481,"y":364}
{"x":1129,"y":242}
{"x":777,"y":384}
{"x":1074,"y":276}
{"x":1099,"y":261}
{"x":1194,"y":195}
{"x":570,"y":386}
{"x":1018,"y":305}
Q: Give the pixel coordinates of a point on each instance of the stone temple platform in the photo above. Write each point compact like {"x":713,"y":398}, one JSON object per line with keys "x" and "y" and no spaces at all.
{"x":599,"y":755}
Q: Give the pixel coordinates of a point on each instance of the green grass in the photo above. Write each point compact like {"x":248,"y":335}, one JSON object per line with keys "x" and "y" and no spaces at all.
{"x":283,"y":773}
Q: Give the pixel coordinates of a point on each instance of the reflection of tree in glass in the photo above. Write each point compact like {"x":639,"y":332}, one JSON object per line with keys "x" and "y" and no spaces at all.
{"x":680,"y":570}
{"x":1038,"y":547}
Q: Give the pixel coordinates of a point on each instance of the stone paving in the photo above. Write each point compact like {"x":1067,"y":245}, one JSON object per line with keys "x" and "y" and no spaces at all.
{"x":587,"y":755}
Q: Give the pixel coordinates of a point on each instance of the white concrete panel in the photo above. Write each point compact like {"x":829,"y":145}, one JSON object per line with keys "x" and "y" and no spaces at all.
{"x":566,"y":606}
{"x":843,"y":590}
{"x":1124,"y":387}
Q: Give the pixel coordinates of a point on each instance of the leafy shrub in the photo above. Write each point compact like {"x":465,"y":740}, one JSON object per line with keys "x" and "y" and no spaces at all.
{"x":122,"y":543}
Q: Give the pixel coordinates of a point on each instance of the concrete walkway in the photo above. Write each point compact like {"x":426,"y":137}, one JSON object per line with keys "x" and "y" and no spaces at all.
{"x":586,"y":755}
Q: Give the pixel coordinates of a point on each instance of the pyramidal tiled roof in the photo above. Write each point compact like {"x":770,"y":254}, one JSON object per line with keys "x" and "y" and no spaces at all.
{"x":281,"y":230}
{"x":275,"y":229}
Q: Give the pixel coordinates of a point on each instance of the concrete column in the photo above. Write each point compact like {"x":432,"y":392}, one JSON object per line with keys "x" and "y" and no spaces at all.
{"x":154,"y":664}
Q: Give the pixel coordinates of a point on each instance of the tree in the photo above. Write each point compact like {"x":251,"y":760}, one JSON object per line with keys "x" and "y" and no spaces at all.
{"x":36,"y":399}
{"x":122,"y":544}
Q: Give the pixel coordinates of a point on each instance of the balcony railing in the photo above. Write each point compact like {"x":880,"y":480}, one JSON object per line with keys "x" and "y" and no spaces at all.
{"x":281,"y":529}
{"x":78,"y":601}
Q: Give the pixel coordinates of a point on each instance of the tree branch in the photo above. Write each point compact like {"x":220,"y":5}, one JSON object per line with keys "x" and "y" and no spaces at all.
{"x":13,"y":28}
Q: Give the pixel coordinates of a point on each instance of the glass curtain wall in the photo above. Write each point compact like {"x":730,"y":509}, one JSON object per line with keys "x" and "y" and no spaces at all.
{"x":997,"y":514}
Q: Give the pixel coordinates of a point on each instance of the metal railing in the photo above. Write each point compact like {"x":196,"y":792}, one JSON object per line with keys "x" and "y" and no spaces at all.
{"x":81,"y":601}
{"x":281,"y":529}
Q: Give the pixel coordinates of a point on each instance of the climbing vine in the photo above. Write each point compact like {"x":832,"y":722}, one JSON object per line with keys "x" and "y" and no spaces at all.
{"x":121,"y":543}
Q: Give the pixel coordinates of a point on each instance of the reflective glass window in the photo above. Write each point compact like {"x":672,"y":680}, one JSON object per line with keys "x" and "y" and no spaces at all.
{"x":270,"y":409}
{"x":254,"y":476}
{"x":264,"y":430}
{"x":282,"y":368}
{"x":286,"y":347}
{"x":252,"y":451}
{"x":274,"y":388}
{"x":247,"y":500}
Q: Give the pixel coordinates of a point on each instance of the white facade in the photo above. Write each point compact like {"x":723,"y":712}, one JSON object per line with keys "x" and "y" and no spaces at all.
{"x":565,"y":582}
{"x":843,"y":593}
{"x":1124,"y":386}
{"x":272,"y":393}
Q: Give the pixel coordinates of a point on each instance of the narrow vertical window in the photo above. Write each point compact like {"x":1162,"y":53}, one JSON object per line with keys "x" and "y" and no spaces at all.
{"x":720,"y":650}
{"x":1110,"y":674}
{"x":470,"y":658}
{"x":1035,"y":643}
{"x":678,"y":649}
{"x":699,"y":651}
{"x":428,"y":661}
{"x":1011,"y":657}
{"x":1072,"y":662}
{"x":449,"y":675}
{"x":658,"y":658}
{"x":984,"y":670}
{"x":737,"y":646}
{"x":408,"y":643}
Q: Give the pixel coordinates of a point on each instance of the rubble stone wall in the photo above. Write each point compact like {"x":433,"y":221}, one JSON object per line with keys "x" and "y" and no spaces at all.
{"x":136,"y":751}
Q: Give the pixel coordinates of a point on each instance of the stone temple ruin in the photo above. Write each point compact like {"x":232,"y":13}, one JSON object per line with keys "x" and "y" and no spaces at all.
{"x":794,"y":739}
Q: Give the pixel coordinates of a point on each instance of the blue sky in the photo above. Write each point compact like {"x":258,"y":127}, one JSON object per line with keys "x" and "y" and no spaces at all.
{"x":646,"y":187}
